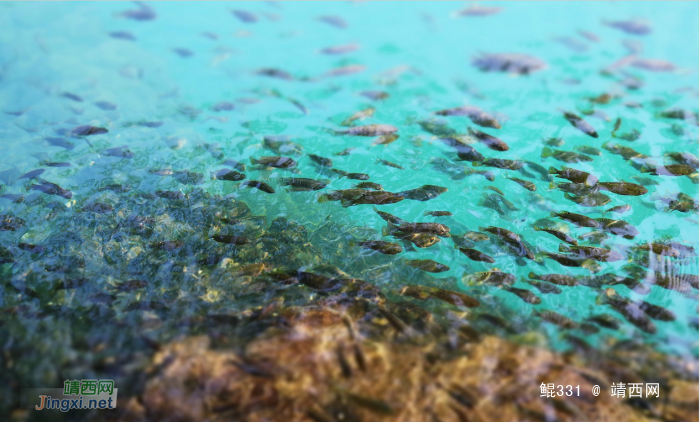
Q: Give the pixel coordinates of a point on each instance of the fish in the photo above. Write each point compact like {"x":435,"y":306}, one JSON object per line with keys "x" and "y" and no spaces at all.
{"x":360,"y":115}
{"x":354,"y":176}
{"x":98,"y":208}
{"x":464,"y":151}
{"x":346,"y":151}
{"x":258,"y":185}
{"x":389,"y":164}
{"x":569,"y":261}
{"x":120,"y":152}
{"x":686,"y":158}
{"x":123,"y":35}
{"x":274,"y":73}
{"x":346,"y":70}
{"x":55,"y":164}
{"x":369,"y":185}
{"x":626,"y":152}
{"x":33,"y":174}
{"x":420,"y":240}
{"x":437,"y":213}
{"x":52,"y":189}
{"x":438,"y":128}
{"x":524,"y":294}
{"x":87,"y":130}
{"x":477,"y":10}
{"x":576,"y":176}
{"x":223,"y":106}
{"x":167,"y":245}
{"x":423,"y":193}
{"x":554,"y":142}
{"x":495,"y":189}
{"x":332,"y":20}
{"x":580,"y":124}
{"x":565,"y":156}
{"x":544,"y":287}
{"x":274,"y":161}
{"x":244,"y":16}
{"x":519,"y":64}
{"x":630,"y":136}
{"x":321,"y":161}
{"x":143,"y":13}
{"x":231,"y":239}
{"x":385,"y":139}
{"x":234,"y":164}
{"x":595,"y":199}
{"x":619,"y":209}
{"x":436,"y":229}
{"x":572,"y":44}
{"x":340,"y":49}
{"x":183,"y":52}
{"x":281,"y":144}
{"x":634,"y":27}
{"x":494,"y":277}
{"x":558,"y":234}
{"x":629,"y":310}
{"x":375,"y":95}
{"x":368,"y":130}
{"x":171,"y":195}
{"x":500,"y":163}
{"x":670,"y":170}
{"x":427,"y":265}
{"x":578,"y":219}
{"x":591,"y":252}
{"x":660,"y":249}
{"x":617,"y":227}
{"x":10,"y":223}
{"x":512,"y":239}
{"x":524,"y":183}
{"x":605,"y":321}
{"x":16,"y":198}
{"x":453,"y":298}
{"x":490,"y":141}
{"x":475,"y":255}
{"x":556,"y":319}
{"x":60,"y":142}
{"x":623,"y":188}
{"x":301,"y":184}
{"x":105,"y":105}
{"x":349,"y":197}
{"x":475,"y":114}
{"x":558,"y":279}
{"x":387,"y":248}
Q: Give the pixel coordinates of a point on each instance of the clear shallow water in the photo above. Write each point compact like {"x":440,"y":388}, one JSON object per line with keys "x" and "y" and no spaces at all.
{"x":417,"y":53}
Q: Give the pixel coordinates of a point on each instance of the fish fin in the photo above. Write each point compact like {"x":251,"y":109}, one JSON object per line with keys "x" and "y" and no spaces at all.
{"x":564,"y":248}
{"x":253,"y":161}
{"x":547,"y":152}
{"x":552,"y":170}
{"x":408,"y":246}
{"x":532,"y":275}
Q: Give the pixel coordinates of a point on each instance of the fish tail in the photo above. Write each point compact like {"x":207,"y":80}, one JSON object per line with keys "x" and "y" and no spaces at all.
{"x":532,"y":275}
{"x":547,"y":152}
{"x":537,"y":229}
{"x":324,"y":198}
{"x":253,"y":161}
{"x":564,"y":248}
{"x":552,"y":170}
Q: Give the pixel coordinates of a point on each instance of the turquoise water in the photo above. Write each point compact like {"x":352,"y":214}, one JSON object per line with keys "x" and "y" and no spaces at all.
{"x":419,"y":54}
